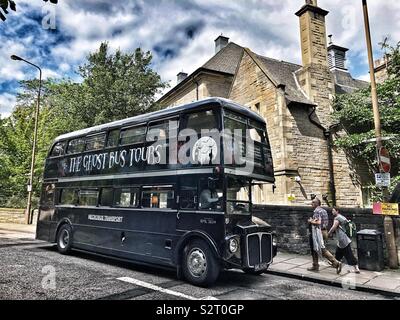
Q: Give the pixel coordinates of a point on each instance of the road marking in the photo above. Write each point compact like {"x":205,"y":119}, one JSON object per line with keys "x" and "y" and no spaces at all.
{"x":162,"y":290}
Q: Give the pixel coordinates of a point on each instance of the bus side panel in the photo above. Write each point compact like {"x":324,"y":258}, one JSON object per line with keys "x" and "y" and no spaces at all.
{"x":135,"y":234}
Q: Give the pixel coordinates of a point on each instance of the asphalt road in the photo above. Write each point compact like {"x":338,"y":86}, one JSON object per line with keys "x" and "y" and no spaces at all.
{"x":31,"y":269}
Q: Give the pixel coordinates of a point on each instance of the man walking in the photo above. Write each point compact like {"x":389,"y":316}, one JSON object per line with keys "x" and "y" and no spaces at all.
{"x":318,"y":227}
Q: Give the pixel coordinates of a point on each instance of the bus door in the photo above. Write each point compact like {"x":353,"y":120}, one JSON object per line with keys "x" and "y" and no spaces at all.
{"x":201,"y":206}
{"x":152,"y":226}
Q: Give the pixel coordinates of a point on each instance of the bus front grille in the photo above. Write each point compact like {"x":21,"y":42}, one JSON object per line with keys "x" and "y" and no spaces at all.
{"x":259,"y":249}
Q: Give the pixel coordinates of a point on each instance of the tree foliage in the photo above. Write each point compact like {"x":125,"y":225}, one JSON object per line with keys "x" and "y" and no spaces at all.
{"x":6,"y":5}
{"x":354,"y":113}
{"x":114,"y":86}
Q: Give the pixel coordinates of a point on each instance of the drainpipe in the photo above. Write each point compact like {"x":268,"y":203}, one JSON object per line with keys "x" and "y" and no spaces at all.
{"x":197,"y":88}
{"x":328,"y":137}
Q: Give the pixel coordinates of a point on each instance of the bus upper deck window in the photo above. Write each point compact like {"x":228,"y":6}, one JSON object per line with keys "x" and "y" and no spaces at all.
{"x":76,"y":146}
{"x":202,"y":120}
{"x":58,"y":149}
{"x":161,"y":130}
{"x":113,"y":138}
{"x":133,"y":135}
{"x":95,"y":142}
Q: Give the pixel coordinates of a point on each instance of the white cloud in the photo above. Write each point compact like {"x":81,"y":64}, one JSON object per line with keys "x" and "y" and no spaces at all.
{"x":7,"y":102}
{"x":181,"y":33}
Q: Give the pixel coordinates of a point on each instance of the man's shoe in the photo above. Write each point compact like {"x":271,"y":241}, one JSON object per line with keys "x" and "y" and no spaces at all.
{"x":313,"y":268}
{"x":339,"y":268}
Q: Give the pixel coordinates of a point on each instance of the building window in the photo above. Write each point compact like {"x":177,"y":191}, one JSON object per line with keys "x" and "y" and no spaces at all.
{"x":258,"y":108}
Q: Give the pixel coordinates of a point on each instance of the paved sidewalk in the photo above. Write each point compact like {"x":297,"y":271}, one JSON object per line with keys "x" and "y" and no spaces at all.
{"x":295,"y":265}
{"x":16,"y":227}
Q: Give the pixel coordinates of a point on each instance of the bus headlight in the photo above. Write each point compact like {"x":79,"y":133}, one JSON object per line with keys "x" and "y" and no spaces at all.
{"x":233,"y":245}
{"x":274,"y":242}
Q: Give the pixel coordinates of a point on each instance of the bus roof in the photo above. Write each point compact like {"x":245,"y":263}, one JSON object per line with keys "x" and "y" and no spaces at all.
{"x":198,"y":105}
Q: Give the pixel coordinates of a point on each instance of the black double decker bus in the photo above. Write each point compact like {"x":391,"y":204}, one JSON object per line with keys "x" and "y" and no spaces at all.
{"x":170,"y":188}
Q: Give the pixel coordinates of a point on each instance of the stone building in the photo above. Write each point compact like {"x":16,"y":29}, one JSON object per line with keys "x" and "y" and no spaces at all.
{"x":380,"y":67}
{"x":296,"y":102}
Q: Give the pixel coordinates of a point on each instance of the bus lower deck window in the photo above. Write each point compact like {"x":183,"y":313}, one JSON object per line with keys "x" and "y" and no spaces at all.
{"x":160,"y":198}
{"x":126,"y":197}
{"x":88,"y":197}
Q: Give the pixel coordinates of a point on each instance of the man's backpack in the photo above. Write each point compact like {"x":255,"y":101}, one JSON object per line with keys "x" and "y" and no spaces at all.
{"x":349,"y":227}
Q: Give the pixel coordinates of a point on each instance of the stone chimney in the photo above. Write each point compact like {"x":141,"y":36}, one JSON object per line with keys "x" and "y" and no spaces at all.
{"x":181,"y":76}
{"x":314,"y":77}
{"x":220,"y":43}
{"x":336,"y":56}
{"x":313,"y":34}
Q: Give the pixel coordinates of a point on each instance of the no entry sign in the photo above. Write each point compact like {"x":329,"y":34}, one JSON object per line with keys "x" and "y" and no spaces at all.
{"x":384,"y":159}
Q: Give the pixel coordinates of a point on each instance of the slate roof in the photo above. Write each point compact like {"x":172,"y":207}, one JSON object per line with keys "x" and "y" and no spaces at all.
{"x":281,"y":73}
{"x":226,"y":60}
{"x":284,"y":74}
{"x":345,"y":83}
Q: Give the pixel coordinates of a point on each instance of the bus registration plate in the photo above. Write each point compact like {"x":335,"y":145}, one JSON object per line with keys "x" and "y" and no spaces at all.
{"x":261,"y":266}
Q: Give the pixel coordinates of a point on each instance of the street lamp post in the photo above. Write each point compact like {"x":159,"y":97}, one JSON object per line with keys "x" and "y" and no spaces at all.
{"x":28,"y":219}
{"x":388,"y":221}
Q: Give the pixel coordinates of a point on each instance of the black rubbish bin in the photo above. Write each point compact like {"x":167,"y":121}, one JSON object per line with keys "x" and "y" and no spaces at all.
{"x":370,"y":250}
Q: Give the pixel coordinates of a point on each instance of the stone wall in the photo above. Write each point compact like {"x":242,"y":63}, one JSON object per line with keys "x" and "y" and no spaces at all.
{"x":290,"y":224}
{"x":15,"y":216}
{"x":252,"y":88}
{"x":12,"y":216}
{"x":207,"y":86}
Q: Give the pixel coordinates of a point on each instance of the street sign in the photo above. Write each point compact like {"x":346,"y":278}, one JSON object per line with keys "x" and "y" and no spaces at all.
{"x":382,"y":179}
{"x":384,"y":159}
{"x":387,"y":209}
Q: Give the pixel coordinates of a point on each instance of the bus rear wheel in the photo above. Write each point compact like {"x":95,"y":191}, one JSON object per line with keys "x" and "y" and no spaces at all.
{"x":64,"y":239}
{"x":199,"y":264}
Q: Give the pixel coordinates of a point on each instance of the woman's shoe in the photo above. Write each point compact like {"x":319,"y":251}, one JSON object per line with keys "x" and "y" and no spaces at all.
{"x":356,"y":269}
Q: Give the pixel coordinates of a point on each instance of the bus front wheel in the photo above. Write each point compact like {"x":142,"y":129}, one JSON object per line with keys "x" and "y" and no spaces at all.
{"x":199,"y":264}
{"x":64,"y":239}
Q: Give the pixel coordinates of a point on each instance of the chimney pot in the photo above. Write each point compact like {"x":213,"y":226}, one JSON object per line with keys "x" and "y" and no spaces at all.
{"x":181,"y":76}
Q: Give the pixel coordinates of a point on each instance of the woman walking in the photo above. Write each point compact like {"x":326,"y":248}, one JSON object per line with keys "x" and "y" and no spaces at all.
{"x":343,"y":241}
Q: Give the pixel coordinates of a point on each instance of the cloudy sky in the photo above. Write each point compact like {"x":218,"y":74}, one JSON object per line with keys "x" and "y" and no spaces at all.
{"x":180,"y":33}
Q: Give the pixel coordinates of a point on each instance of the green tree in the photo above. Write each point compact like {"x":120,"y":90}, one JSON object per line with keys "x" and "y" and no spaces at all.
{"x":117,"y":86}
{"x":114,"y":86}
{"x":354,"y":112}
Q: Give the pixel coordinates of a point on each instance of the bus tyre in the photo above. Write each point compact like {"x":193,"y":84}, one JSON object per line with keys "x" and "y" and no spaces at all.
{"x":64,"y":239}
{"x":199,"y":264}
